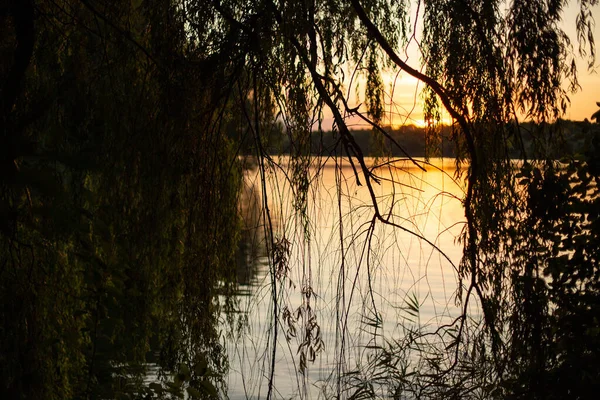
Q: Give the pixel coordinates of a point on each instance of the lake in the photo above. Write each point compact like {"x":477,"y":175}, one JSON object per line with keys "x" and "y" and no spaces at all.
{"x":345,"y":286}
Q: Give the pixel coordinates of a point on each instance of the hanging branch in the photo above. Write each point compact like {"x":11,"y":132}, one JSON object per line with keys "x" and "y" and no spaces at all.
{"x":473,"y":175}
{"x":345,"y":132}
{"x":437,"y":88}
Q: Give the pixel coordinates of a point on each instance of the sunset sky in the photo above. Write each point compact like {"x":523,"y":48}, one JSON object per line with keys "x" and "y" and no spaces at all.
{"x":583,"y":103}
{"x":406,"y":107}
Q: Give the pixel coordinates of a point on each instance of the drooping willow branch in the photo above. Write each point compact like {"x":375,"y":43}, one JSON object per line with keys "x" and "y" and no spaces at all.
{"x":254,"y":126}
{"x":437,"y":88}
{"x":353,"y":149}
{"x":377,"y":127}
{"x":124,"y":33}
{"x":345,"y":132}
{"x":473,"y":175}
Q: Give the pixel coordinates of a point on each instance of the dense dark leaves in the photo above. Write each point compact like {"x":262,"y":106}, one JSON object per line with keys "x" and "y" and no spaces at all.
{"x":118,"y":197}
{"x":119,"y":181}
{"x":555,"y":283}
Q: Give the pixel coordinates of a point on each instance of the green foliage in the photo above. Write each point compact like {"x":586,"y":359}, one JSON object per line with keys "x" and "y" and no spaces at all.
{"x":118,"y":197}
{"x":554,"y":329}
{"x":119,"y":183}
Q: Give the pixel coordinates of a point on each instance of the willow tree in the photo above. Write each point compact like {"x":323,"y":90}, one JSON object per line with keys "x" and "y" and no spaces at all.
{"x":154,"y":96}
{"x":118,"y":195}
{"x":487,"y":63}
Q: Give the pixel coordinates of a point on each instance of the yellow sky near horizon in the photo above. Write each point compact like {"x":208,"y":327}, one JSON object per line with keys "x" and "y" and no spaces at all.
{"x":406,"y":106}
{"x":583,"y":103}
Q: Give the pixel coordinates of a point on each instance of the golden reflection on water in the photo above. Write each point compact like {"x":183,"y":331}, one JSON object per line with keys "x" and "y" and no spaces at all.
{"x":358,"y":274}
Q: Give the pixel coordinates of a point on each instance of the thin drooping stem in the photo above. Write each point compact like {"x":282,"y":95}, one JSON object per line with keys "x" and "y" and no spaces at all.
{"x":461,"y":118}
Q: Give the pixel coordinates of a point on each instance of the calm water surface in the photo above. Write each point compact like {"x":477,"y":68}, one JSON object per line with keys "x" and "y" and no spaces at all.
{"x":360,"y":279}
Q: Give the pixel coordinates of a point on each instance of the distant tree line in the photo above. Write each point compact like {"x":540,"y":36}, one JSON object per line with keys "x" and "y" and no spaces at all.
{"x":575,"y":137}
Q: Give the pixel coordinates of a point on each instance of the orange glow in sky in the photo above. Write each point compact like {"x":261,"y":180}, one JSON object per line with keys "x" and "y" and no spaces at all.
{"x":404,"y":104}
